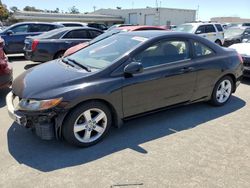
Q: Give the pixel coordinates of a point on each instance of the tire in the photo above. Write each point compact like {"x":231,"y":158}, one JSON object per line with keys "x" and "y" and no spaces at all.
{"x":218,"y":42}
{"x":81,"y":128}
{"x":59,"y":55}
{"x":222,"y":91}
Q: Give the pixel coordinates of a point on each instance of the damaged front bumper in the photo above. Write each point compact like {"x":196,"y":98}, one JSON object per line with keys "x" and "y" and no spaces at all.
{"x":46,"y":124}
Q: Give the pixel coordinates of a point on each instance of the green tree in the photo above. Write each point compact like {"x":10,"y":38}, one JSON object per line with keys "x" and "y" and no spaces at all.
{"x":4,"y":13}
{"x":14,"y":9}
{"x":73,"y":10}
{"x":33,"y":9}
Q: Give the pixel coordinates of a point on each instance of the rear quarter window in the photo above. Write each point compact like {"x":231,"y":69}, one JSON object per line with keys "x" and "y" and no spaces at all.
{"x":201,"y":50}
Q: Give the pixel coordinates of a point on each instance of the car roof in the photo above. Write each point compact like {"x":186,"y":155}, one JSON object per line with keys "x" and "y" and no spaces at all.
{"x":74,"y":28}
{"x":82,"y":23}
{"x":156,"y":33}
{"x":48,"y":23}
{"x":133,"y":28}
{"x":201,"y":23}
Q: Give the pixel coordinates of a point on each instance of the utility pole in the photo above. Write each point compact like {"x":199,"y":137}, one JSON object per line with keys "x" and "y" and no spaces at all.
{"x":197,"y":13}
{"x":94,"y":7}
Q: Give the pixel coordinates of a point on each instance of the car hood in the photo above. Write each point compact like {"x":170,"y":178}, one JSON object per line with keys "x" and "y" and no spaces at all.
{"x":242,"y":48}
{"x":44,"y":81}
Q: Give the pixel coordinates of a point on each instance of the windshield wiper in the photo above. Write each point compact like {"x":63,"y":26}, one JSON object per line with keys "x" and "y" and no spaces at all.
{"x":67,"y":62}
{"x":80,"y":65}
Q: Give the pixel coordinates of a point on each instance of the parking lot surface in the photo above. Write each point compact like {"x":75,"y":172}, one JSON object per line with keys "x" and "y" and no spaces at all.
{"x":192,"y":146}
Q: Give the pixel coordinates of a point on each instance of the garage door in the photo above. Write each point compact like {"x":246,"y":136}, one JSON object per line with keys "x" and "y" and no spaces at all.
{"x":149,"y":19}
{"x":133,"y":18}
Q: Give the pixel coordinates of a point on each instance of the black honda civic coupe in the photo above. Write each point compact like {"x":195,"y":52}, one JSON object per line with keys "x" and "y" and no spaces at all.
{"x":81,"y":96}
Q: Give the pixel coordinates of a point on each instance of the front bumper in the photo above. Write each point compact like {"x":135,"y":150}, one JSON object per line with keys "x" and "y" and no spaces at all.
{"x":42,"y":122}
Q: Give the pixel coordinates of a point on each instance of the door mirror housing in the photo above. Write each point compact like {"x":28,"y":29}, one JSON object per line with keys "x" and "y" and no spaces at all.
{"x":133,"y":68}
{"x":198,"y":32}
{"x":9,"y":32}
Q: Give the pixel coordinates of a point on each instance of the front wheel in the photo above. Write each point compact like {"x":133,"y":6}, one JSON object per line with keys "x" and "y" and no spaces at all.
{"x":222,"y":91}
{"x":87,"y":124}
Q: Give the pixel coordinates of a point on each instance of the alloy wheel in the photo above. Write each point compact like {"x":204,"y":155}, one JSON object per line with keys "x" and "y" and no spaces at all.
{"x":223,"y":91}
{"x":90,"y":125}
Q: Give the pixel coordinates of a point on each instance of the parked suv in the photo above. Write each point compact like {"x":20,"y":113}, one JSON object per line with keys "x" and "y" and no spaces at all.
{"x":211,"y":31}
{"x":15,"y":35}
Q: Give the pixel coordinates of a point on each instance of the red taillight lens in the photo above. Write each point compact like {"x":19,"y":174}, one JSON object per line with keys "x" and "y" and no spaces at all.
{"x":241,"y":59}
{"x":34,"y":44}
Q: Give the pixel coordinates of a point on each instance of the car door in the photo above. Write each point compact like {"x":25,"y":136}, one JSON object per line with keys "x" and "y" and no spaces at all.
{"x":75,"y":37}
{"x":168,"y":78}
{"x":208,"y":69}
{"x":14,"y":42}
{"x":211,"y":33}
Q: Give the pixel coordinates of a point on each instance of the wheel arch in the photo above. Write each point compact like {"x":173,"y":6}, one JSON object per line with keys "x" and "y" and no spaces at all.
{"x":115,"y":117}
{"x":232,"y":76}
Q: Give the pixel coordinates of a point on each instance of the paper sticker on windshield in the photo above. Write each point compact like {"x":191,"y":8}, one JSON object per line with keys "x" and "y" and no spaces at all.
{"x":141,"y":39}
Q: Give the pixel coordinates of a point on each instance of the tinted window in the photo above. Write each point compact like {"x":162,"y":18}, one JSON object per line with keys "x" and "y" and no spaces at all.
{"x":246,"y":24}
{"x":94,"y":33}
{"x":163,"y":53}
{"x":20,"y":28}
{"x":77,"y":34}
{"x":218,"y":26}
{"x":41,"y":28}
{"x":209,"y":29}
{"x":201,"y":29}
{"x":201,"y":50}
{"x":72,"y":25}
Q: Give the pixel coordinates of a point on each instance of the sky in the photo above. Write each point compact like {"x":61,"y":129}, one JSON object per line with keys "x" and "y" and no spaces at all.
{"x":207,"y":8}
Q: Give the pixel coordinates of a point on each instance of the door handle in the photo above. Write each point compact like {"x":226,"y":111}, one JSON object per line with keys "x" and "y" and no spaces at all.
{"x":187,"y":69}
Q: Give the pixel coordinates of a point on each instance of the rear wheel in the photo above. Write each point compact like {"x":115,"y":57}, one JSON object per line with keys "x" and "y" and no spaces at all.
{"x":87,"y":124}
{"x":222,"y":91}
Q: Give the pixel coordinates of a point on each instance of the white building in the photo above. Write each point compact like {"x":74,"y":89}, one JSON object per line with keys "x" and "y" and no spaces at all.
{"x":54,"y":17}
{"x":152,"y":16}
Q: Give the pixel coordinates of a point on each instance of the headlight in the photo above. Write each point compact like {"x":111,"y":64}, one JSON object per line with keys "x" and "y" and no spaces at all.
{"x":36,"y":105}
{"x":245,"y":40}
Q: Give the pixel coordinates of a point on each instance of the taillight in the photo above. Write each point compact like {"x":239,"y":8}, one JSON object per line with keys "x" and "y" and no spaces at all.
{"x":34,"y":44}
{"x":3,"y":66}
{"x":240,"y":57}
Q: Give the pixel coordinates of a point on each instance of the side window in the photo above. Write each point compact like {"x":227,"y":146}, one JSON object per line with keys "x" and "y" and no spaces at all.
{"x":219,"y":28}
{"x":163,"y":53}
{"x":77,"y":34}
{"x":200,"y":30}
{"x":94,"y":33}
{"x":209,"y":29}
{"x":202,"y":50}
{"x":20,"y":28}
{"x":41,"y":28}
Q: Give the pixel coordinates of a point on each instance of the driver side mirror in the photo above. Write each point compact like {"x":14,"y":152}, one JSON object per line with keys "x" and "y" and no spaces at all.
{"x":133,"y":68}
{"x":9,"y":32}
{"x":198,"y":32}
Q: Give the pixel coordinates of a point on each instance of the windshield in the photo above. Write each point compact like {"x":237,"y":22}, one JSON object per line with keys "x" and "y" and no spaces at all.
{"x":184,"y":28}
{"x":103,"y":53}
{"x":105,"y":35}
{"x":234,"y":31}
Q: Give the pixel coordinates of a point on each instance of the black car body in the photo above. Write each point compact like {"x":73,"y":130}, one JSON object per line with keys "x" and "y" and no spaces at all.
{"x":150,"y":74}
{"x":235,"y":35}
{"x":15,"y":35}
{"x":53,"y":44}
